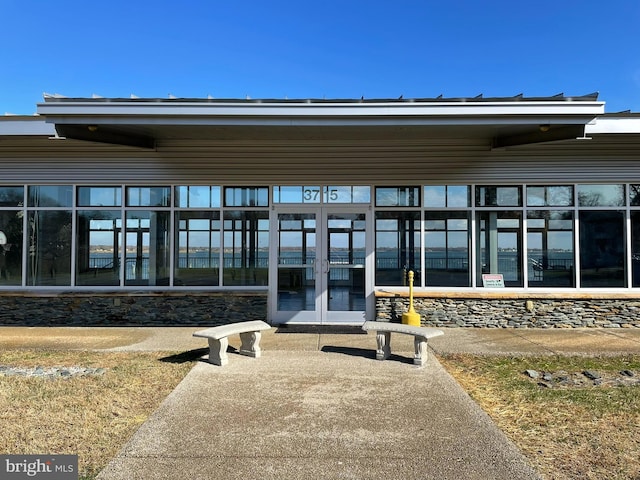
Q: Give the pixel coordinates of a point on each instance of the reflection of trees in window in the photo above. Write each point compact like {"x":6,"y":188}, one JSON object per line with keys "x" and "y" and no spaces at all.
{"x":634,"y":195}
{"x":601,"y":195}
{"x":49,"y":248}
{"x":11,"y":247}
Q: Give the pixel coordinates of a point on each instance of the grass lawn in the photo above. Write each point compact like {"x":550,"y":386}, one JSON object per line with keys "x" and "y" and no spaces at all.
{"x":572,"y":432}
{"x":567,"y":432}
{"x":90,"y":416}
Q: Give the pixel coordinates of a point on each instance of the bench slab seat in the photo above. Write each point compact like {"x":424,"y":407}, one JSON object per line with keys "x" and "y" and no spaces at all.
{"x":383,"y":338}
{"x":219,"y":342}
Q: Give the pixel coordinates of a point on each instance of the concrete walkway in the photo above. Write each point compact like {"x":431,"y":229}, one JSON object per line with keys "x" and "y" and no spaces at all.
{"x":321,"y":406}
{"x":318,"y":405}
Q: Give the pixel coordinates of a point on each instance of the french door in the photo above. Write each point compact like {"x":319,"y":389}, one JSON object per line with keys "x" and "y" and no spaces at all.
{"x":321,"y":256}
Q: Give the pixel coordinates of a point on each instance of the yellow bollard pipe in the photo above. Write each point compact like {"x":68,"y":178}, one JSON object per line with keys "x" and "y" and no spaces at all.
{"x":411,"y":317}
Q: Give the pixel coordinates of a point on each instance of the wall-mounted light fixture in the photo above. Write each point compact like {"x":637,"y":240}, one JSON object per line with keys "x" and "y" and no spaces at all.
{"x":92,"y":128}
{"x":545,"y":127}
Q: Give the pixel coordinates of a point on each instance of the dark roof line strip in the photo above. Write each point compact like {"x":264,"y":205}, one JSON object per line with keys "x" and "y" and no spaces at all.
{"x":440,"y":99}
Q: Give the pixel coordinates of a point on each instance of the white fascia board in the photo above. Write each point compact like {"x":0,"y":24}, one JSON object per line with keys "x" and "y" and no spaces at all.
{"x":25,"y":127}
{"x":613,"y":125}
{"x":427,"y":113}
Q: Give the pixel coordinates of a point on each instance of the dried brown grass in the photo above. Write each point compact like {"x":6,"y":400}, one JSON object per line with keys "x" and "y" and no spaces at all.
{"x":89,"y":416}
{"x":590,"y":433}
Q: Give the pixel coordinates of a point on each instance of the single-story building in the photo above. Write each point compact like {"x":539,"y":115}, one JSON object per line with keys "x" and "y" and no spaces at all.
{"x":511,"y":211}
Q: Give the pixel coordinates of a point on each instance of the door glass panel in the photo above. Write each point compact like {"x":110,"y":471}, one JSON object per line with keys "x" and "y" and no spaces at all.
{"x":346,"y":247}
{"x":296,"y":262}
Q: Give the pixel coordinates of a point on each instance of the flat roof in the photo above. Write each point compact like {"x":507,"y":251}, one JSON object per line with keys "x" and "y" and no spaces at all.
{"x":503,"y":121}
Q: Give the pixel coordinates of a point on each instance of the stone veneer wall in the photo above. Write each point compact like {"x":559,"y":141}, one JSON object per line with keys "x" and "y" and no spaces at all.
{"x":131,"y":309}
{"x":514,"y":312}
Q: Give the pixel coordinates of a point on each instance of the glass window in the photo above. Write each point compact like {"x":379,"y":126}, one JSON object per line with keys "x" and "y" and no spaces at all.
{"x":347,"y":194}
{"x":246,"y":248}
{"x":296,"y":194}
{"x":550,"y":253}
{"x":635,"y":248}
{"x":99,"y":196}
{"x":601,"y":195}
{"x":246,"y":197}
{"x":602,"y":253}
{"x":51,"y":196}
{"x":201,"y":196}
{"x":148,"y":196}
{"x":452,"y":196}
{"x":197,"y":248}
{"x":550,"y":196}
{"x":147,"y":248}
{"x":98,"y":247}
{"x":446,"y":243}
{"x":11,"y":196}
{"x":498,"y":196}
{"x":398,"y":196}
{"x":500,"y":246}
{"x":397,"y":247}
{"x":49,"y":259}
{"x":11,"y":247}
{"x":634,"y":195}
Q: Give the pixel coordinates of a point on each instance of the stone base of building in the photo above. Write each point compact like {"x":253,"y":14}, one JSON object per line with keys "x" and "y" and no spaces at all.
{"x":131,"y":309}
{"x":513,"y":310}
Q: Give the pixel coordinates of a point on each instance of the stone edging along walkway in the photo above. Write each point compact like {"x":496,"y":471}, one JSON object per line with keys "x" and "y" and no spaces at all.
{"x":584,"y":379}
{"x":50,"y":372}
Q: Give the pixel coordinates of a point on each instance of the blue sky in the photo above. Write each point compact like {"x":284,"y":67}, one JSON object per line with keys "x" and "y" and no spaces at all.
{"x":319,"y":49}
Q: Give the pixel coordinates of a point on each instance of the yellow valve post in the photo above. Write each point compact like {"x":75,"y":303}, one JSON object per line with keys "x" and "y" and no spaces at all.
{"x":411,"y":317}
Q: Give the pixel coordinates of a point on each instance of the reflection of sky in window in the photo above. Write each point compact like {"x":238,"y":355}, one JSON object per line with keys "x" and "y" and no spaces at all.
{"x":601,"y":195}
{"x":100,"y":196}
{"x":446,"y":196}
{"x":296,"y":194}
{"x":435,"y":196}
{"x":556,"y":196}
{"x":198,"y":196}
{"x":347,"y":194}
{"x":386,"y":240}
{"x":458,"y":240}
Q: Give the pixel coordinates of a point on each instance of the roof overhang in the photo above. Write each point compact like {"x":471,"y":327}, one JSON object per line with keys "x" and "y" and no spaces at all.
{"x":20,"y":126}
{"x":142,"y":122}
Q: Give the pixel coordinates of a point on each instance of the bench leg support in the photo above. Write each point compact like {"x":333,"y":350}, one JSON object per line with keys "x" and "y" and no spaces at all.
{"x":420,"y":344}
{"x":218,"y":351}
{"x":250,"y":344}
{"x":384,"y":345}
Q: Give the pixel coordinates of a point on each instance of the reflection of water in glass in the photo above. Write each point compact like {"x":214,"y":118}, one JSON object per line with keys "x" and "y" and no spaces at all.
{"x":388,"y":259}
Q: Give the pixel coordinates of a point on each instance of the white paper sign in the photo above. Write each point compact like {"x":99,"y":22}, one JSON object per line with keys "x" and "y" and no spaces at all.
{"x":493,"y":280}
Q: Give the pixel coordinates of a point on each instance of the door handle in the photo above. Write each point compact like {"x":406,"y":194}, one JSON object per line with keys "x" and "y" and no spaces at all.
{"x":326,"y":266}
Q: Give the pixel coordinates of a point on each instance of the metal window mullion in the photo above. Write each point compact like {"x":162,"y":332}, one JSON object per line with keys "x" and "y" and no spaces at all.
{"x":171,"y":233}
{"x":74,"y":227}
{"x":576,"y":237}
{"x":25,"y":237}
{"x":524,"y":255}
{"x":123,"y":233}
{"x":474,"y":240}
{"x":628,"y":245}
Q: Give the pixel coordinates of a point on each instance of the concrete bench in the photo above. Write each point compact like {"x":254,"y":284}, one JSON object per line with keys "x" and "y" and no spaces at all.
{"x":218,"y":339}
{"x":383,"y":338}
